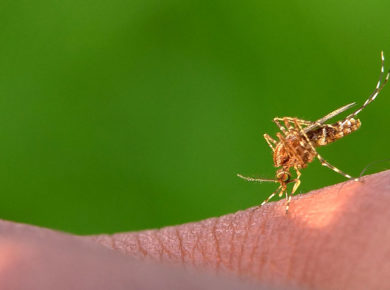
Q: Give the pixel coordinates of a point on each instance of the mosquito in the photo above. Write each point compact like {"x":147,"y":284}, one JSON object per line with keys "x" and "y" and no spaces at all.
{"x":298,"y":139}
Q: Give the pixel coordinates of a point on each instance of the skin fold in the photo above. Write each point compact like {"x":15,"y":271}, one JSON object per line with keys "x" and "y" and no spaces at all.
{"x":337,"y":237}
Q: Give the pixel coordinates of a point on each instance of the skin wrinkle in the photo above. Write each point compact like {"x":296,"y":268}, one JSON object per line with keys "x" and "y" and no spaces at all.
{"x":245,"y":238}
{"x":239,"y":223}
{"x":308,"y":258}
{"x":170,"y":240}
{"x":129,"y":244}
{"x":197,"y":252}
{"x":231,"y":242}
{"x":44,"y":259}
{"x":189,"y":241}
{"x":169,"y":255}
{"x":209,"y":244}
{"x":196,"y":245}
{"x":199,"y":230}
{"x":182,"y":252}
{"x":258,"y":233}
{"x":224,"y":233}
{"x":277,"y":263}
{"x":218,"y":252}
{"x":267,"y":261}
{"x":280,"y":262}
{"x":140,"y":248}
{"x":297,"y":270}
{"x":152,"y":245}
{"x":295,"y":244}
{"x":318,"y":243}
{"x":113,"y":243}
{"x":343,"y":230}
{"x":290,"y":238}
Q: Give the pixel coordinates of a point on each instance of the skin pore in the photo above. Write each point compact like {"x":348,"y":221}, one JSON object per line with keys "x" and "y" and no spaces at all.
{"x":337,"y":237}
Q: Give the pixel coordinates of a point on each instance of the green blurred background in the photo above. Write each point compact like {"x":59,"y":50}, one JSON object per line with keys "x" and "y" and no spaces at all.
{"x":126,"y":115}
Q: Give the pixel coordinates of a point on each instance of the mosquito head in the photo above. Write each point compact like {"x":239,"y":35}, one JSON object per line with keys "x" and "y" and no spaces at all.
{"x":283,"y":175}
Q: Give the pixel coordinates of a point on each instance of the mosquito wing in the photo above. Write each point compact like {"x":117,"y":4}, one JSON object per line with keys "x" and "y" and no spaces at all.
{"x":327,"y":117}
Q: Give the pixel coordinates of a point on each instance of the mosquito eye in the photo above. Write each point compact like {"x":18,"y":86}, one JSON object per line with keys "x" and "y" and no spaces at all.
{"x":283,"y":176}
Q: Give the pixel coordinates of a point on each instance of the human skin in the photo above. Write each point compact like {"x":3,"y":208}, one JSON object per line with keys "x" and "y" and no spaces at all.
{"x":337,"y":237}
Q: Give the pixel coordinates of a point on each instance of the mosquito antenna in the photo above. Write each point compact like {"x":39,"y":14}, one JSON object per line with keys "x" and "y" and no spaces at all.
{"x":256,"y":179}
{"x":377,"y":90}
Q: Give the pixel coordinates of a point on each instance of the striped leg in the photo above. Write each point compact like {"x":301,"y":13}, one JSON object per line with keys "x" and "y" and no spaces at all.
{"x":288,"y":121}
{"x":292,"y":120}
{"x":297,"y":183}
{"x":271,"y":196}
{"x":335,"y":169}
{"x":276,"y":121}
{"x":270,"y":141}
{"x":288,"y":200}
{"x":375,"y":93}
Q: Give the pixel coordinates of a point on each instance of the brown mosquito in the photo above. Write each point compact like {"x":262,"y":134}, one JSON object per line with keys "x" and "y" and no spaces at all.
{"x":298,"y":139}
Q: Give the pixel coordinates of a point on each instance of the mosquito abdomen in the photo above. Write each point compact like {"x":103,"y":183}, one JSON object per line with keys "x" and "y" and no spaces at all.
{"x":329,"y":133}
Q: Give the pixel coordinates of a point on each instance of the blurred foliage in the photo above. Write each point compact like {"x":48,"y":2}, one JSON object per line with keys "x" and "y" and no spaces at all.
{"x":126,"y":115}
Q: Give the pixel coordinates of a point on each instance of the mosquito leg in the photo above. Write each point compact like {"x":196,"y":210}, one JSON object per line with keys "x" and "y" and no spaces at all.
{"x":375,"y":93}
{"x":270,"y":141}
{"x":288,"y":200}
{"x":335,"y":169}
{"x":290,"y":119}
{"x":281,"y":139}
{"x":320,"y":158}
{"x":297,"y":181}
{"x":287,"y":123}
{"x":276,"y":121}
{"x":271,"y":196}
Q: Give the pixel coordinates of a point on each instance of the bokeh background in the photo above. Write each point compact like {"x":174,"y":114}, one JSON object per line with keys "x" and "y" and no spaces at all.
{"x":127,"y":115}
